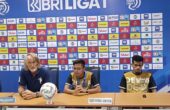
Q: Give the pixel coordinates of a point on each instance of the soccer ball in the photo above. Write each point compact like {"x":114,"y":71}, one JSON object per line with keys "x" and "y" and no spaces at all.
{"x":48,"y":90}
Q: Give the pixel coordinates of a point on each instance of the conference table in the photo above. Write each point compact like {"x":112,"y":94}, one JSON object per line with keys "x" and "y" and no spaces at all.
{"x":93,"y":100}
{"x":62,"y":99}
{"x":142,"y":100}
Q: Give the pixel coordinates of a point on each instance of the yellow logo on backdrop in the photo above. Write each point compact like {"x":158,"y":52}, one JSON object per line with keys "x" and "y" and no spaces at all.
{"x":32,"y":38}
{"x":51,"y":38}
{"x":62,"y":50}
{"x":124,"y":23}
{"x":82,"y":49}
{"x":21,"y":26}
{"x":22,"y":50}
{"x":52,"y":62}
{"x":3,"y":27}
{"x":93,"y":37}
{"x":113,"y":36}
{"x":12,"y":38}
{"x":3,"y":50}
{"x":71,"y":37}
{"x":41,"y":26}
{"x":103,"y":49}
{"x":124,"y":48}
{"x":135,"y":35}
{"x":102,"y":24}
{"x":61,"y":25}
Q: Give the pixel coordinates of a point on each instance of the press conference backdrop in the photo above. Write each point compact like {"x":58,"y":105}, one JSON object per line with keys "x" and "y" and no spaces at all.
{"x":105,"y":33}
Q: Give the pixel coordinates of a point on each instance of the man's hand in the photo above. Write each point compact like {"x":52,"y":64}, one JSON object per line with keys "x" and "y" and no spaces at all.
{"x":79,"y":89}
{"x":27,"y":94}
{"x":83,"y":90}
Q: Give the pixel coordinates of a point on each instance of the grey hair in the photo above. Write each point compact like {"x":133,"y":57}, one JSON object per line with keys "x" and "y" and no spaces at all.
{"x":34,"y":56}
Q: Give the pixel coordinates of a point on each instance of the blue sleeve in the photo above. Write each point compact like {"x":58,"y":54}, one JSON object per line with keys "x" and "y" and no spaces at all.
{"x":22,"y":80}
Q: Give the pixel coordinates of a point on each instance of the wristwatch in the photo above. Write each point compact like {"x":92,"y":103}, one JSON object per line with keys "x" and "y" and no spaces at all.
{"x":87,"y":91}
{"x":37,"y":94}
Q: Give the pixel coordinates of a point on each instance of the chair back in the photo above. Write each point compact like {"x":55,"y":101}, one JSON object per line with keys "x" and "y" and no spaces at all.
{"x":54,"y":76}
{"x":95,"y":71}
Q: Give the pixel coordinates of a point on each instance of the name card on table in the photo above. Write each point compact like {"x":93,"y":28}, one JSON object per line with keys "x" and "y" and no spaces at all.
{"x":100,"y":101}
{"x":7,"y":100}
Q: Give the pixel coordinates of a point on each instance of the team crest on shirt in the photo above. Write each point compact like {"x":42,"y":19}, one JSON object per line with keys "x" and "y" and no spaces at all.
{"x":40,"y":80}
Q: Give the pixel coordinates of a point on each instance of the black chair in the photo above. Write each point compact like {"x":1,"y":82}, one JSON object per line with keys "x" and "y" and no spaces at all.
{"x":54,"y":76}
{"x":95,"y":71}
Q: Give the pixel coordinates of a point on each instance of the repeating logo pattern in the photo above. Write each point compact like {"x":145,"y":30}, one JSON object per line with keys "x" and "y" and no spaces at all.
{"x":106,"y":41}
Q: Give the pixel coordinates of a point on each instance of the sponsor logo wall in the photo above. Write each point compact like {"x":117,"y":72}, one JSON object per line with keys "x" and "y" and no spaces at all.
{"x":106,"y":41}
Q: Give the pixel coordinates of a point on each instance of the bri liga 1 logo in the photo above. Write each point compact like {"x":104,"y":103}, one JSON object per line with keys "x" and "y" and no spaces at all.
{"x":133,"y":4}
{"x":4,"y":7}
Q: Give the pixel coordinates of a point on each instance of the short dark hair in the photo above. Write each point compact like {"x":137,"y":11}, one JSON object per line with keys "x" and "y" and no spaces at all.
{"x":79,"y":61}
{"x":137,"y":58}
